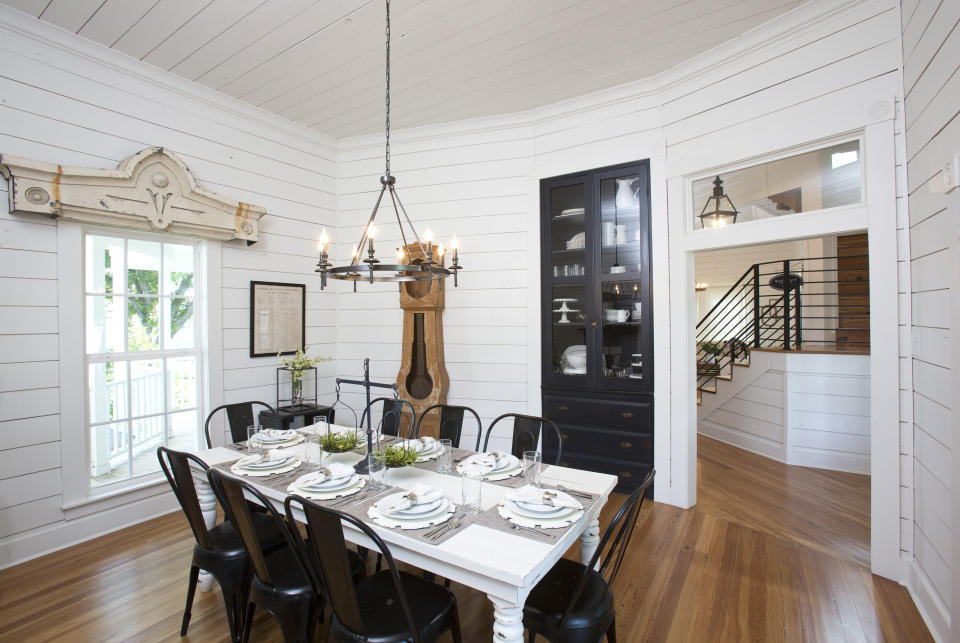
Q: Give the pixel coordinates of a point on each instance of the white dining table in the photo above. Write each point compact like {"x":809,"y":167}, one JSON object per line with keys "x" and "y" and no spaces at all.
{"x":505,"y":566}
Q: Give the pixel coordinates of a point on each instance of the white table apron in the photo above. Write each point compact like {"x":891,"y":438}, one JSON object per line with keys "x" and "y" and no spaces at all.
{"x":504,"y":566}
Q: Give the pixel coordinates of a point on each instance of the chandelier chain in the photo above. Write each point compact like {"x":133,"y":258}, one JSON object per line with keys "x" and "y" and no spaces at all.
{"x":387,"y":173}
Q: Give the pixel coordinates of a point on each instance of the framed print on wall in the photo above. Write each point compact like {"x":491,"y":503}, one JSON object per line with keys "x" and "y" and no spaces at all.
{"x":277,"y":318}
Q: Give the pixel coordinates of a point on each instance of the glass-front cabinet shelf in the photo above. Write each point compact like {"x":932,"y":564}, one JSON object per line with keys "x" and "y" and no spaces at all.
{"x":596,"y":278}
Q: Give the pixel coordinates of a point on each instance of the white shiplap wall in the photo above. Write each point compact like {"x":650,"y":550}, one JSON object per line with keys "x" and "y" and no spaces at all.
{"x":931,"y":78}
{"x":74,"y":103}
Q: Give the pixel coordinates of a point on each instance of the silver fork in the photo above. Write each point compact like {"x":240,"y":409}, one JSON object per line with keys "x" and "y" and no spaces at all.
{"x":572,"y":492}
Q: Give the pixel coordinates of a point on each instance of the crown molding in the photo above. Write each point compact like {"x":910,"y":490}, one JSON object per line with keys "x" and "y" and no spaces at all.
{"x":15,"y":24}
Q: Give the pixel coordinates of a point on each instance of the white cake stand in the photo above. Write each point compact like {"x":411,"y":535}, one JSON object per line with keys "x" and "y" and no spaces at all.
{"x":564,"y":309}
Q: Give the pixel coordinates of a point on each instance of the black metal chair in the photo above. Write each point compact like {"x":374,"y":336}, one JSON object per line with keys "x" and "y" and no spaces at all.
{"x":451,"y":422}
{"x":219,"y":550}
{"x":573,"y":603}
{"x":388,"y":607}
{"x":283,"y":581}
{"x":391,"y":417}
{"x":526,"y":435}
{"x":240,"y":415}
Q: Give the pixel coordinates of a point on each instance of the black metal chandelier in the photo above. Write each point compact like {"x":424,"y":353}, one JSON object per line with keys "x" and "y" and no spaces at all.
{"x":423,"y":263}
{"x":714,"y":211}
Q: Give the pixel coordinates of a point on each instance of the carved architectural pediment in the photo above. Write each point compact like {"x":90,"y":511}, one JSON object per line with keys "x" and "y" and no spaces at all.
{"x":151,"y":190}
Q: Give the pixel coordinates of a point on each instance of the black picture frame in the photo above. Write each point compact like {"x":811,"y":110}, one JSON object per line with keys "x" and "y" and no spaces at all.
{"x":288,"y":301}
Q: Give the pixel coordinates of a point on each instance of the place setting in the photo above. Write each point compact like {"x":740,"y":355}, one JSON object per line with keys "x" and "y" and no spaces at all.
{"x":536,"y":511}
{"x":495,"y":466}
{"x":260,"y":438}
{"x":334,"y":480}
{"x":417,"y":509}
{"x":271,"y":462}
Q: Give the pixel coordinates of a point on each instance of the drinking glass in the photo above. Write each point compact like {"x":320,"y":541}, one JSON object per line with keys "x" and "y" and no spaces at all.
{"x":253,"y":446}
{"x":471,"y":485}
{"x":531,"y":467}
{"x":377,"y":470}
{"x":445,"y":459}
{"x":321,"y":427}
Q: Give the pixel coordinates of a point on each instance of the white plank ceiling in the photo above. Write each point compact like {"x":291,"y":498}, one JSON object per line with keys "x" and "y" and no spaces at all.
{"x":320,"y":62}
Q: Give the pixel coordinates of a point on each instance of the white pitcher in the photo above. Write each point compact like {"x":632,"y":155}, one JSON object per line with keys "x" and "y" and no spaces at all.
{"x":626,"y":194}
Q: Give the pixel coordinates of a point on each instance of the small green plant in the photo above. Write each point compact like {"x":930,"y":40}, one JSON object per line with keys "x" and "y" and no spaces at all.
{"x":339,"y":442}
{"x":398,"y":456}
{"x":712,"y":348}
{"x":300,"y":363}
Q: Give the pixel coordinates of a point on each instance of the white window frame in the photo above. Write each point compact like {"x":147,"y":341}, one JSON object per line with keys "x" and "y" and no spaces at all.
{"x":691,"y":209}
{"x":79,"y":497}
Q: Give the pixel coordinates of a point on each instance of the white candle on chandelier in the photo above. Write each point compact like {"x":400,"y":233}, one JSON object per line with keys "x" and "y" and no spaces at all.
{"x":322,"y":242}
{"x":440,"y":251}
{"x":400,"y":255}
{"x":353,"y":253}
{"x":455,"y":244}
{"x":428,"y":239}
{"x":371,"y":233}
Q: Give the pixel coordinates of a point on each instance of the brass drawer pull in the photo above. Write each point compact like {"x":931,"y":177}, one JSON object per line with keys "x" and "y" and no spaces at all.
{"x":594,"y":324}
{"x":627,"y":414}
{"x":562,"y":408}
{"x":625,"y":445}
{"x":625,"y":474}
{"x":563,"y":464}
{"x":564,"y":436}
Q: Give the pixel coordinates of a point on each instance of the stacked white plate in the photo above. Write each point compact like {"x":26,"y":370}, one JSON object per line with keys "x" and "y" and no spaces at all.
{"x":254,"y":465}
{"x":426,"y":448}
{"x":495,"y":468}
{"x":536,"y":514}
{"x":308,"y":486}
{"x":275,"y":438}
{"x":415,"y":516}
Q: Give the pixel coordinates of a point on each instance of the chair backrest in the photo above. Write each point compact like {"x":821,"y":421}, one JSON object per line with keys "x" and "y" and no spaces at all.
{"x":451,"y":422}
{"x":230,"y":492}
{"x":240,"y":415}
{"x":526,"y":435}
{"x":391,"y":418}
{"x":176,"y":467}
{"x":328,"y":551}
{"x":613,"y":545}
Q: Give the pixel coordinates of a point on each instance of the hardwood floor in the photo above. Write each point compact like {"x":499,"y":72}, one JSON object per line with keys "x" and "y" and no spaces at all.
{"x":771,"y":553}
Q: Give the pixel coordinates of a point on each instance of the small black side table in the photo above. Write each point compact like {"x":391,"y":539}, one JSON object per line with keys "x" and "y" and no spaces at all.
{"x":288,"y":415}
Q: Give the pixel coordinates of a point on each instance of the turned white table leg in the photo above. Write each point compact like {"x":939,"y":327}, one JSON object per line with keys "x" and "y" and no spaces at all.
{"x":208,"y":506}
{"x":588,"y":540}
{"x":507,"y":621}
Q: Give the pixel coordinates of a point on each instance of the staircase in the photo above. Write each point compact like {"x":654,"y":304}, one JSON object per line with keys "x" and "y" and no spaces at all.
{"x":816,"y":304}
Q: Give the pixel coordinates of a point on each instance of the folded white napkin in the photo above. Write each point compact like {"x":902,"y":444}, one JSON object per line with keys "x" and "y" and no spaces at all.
{"x":276,"y":435}
{"x":421,"y":494}
{"x":489,"y":461}
{"x":272,"y":455}
{"x":333,"y":471}
{"x":426,"y":443}
{"x":549,"y":497}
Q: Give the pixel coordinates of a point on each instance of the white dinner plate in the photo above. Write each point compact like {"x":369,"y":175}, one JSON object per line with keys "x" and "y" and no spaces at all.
{"x":441,"y":509}
{"x":329,"y":485}
{"x":436,"y":507}
{"x":265,"y":466}
{"x":417,"y":510}
{"x":537,"y":509}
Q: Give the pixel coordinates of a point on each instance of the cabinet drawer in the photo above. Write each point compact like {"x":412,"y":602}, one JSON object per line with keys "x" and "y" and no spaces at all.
{"x":621,"y":445}
{"x":629,"y":474}
{"x":635,"y":417}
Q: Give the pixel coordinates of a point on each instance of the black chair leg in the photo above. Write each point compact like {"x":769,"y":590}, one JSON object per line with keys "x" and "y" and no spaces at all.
{"x":248,"y":621}
{"x":191,"y":590}
{"x":297,"y":621}
{"x":455,"y":630}
{"x":612,"y":631}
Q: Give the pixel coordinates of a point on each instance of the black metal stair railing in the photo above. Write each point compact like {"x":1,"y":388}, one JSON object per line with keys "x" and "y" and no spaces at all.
{"x":795,"y":304}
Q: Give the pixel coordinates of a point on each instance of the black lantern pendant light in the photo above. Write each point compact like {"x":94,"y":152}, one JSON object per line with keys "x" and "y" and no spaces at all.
{"x":426,"y":267}
{"x":713,"y":212}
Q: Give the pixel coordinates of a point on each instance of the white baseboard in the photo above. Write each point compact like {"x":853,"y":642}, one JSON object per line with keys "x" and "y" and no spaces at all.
{"x":742,"y":440}
{"x":933,"y":610}
{"x":50,"y":538}
{"x":832,"y":460}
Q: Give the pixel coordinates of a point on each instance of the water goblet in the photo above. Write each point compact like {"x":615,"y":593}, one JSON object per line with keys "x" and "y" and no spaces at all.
{"x":253,"y":445}
{"x":531,"y":467}
{"x":471,"y":482}
{"x":377,"y":470}
{"x":445,"y":459}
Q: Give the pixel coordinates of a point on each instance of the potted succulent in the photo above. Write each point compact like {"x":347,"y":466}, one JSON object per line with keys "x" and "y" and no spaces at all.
{"x":297,"y":365}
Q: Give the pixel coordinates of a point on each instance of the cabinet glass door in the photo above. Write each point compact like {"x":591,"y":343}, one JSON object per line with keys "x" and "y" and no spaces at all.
{"x":622,"y":320}
{"x":621,"y":236}
{"x":568,"y":266}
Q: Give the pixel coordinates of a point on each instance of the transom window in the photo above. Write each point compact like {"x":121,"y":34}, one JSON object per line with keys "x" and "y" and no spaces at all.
{"x":142,"y":352}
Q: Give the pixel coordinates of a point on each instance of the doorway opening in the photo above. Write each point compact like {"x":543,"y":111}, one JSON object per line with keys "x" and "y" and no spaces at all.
{"x":783,"y":390}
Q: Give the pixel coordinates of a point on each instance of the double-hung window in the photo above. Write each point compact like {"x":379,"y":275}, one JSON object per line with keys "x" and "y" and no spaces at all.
{"x":142,"y":354}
